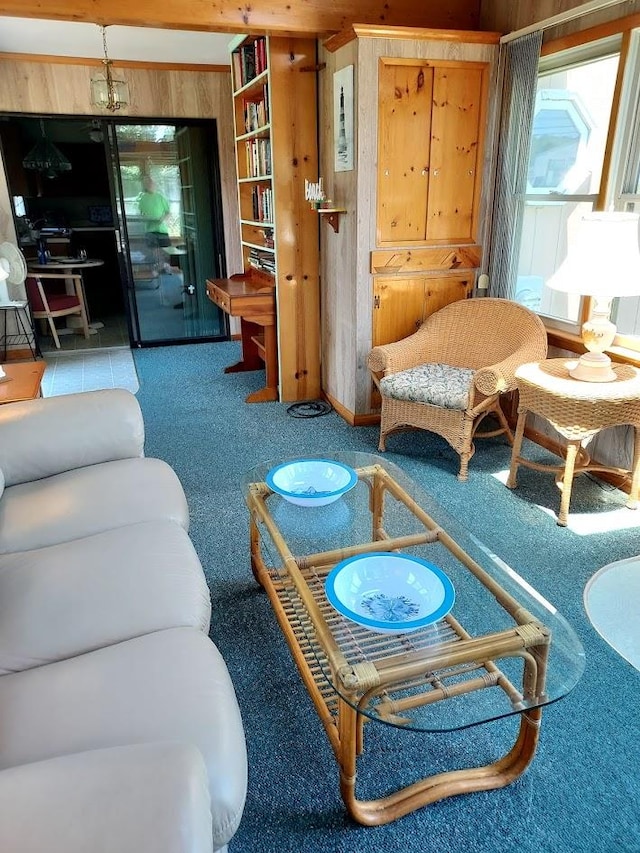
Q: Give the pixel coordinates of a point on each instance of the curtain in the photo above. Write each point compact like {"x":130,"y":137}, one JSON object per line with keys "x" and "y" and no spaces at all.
{"x":518,"y":73}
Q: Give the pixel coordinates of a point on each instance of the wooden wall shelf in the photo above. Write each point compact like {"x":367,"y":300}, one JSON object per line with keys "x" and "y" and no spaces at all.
{"x":332,"y":216}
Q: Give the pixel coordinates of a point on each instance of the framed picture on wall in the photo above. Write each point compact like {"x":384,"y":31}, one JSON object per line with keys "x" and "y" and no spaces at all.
{"x":343,"y":119}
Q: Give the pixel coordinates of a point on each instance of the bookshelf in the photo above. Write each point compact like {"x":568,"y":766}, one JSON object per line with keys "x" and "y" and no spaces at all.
{"x":274,"y":97}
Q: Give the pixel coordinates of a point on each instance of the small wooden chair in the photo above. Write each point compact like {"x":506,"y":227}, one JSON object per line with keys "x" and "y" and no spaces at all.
{"x":48,"y":305}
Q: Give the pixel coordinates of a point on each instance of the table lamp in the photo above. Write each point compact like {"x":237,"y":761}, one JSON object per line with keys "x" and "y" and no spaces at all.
{"x":603,"y":261}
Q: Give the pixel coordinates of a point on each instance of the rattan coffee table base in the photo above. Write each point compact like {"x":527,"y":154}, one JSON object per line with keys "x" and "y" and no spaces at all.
{"x":344,"y":726}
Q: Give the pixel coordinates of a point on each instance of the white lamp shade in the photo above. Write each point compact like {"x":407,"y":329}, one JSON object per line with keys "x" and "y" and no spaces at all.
{"x":603,"y":258}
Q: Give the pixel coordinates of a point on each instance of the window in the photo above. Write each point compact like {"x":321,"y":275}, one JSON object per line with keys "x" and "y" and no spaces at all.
{"x":571,"y":121}
{"x":577,"y":162}
{"x":626,"y":183}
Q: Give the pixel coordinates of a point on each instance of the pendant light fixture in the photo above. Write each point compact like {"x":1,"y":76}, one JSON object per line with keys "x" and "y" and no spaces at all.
{"x":45,"y":157}
{"x":107,"y":93}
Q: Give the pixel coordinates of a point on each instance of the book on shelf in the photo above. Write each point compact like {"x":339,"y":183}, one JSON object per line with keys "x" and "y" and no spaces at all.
{"x":248,"y":61}
{"x":262,"y":203}
{"x":258,"y":157}
{"x":263,"y":261}
{"x":256,"y":112}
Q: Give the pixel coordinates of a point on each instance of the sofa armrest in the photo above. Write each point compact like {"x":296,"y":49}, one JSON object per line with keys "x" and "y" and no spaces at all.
{"x":40,"y":438}
{"x":120,"y":800}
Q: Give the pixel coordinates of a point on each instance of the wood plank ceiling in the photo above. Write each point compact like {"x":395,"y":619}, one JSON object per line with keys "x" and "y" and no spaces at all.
{"x":317,"y":17}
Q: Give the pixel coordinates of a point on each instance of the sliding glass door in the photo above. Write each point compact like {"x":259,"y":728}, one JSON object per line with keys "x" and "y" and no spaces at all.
{"x":169,"y":228}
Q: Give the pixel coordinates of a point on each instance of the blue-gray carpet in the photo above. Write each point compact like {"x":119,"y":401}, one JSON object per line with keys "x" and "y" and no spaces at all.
{"x":582,"y":791}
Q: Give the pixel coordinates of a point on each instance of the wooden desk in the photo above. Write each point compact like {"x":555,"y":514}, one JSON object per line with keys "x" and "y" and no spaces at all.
{"x":253,"y":300}
{"x":22,"y":381}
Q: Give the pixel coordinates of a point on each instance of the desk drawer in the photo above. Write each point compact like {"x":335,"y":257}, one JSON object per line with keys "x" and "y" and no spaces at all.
{"x":221,"y":299}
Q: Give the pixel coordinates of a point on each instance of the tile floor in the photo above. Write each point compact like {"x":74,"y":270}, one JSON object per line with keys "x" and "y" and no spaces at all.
{"x":93,"y":370}
{"x":113,"y":334}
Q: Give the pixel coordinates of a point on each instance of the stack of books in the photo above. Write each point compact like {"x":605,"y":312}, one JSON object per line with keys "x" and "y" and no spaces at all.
{"x":263,"y":261}
{"x":249,"y":61}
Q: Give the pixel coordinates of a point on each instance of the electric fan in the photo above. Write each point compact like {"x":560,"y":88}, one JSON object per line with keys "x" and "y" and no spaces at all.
{"x":13,"y":270}
{"x":12,"y":263}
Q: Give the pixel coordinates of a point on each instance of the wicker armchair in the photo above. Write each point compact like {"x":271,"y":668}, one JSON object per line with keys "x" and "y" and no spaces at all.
{"x":449,"y":375}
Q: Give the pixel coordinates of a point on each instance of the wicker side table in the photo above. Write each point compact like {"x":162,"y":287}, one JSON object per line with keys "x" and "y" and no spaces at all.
{"x":578,"y":410}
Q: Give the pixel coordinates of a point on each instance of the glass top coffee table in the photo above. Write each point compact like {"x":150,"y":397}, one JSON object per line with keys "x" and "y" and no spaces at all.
{"x":500,"y":650}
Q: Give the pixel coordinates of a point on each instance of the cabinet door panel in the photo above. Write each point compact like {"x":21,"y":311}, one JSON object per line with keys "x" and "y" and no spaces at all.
{"x":445,"y":289}
{"x":398,"y":308}
{"x":402,"y":304}
{"x":404,"y":132}
{"x":455,"y":134}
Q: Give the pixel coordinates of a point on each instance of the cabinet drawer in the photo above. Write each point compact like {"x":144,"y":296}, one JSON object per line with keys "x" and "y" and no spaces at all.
{"x":221,"y":299}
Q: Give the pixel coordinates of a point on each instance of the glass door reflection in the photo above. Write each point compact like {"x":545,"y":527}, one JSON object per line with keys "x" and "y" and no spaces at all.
{"x":167,"y":199}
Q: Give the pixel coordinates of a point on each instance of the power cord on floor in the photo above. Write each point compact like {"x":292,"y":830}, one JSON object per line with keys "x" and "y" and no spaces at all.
{"x":309,"y":409}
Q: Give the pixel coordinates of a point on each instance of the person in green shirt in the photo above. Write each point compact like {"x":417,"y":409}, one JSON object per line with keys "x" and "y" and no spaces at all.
{"x":154,"y":209}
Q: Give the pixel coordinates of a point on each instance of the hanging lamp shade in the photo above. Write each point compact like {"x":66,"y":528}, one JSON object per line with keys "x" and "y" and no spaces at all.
{"x":45,"y":157}
{"x":108,"y":93}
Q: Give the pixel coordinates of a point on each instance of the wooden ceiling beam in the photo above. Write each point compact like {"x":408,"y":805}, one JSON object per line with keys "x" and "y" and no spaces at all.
{"x":278,"y":17}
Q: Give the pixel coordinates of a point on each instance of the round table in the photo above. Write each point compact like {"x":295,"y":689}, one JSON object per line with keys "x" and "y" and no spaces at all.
{"x":578,"y":410}
{"x":70,"y":266}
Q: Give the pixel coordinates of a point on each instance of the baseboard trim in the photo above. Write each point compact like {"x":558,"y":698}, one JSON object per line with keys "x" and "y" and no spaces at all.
{"x":350,"y":417}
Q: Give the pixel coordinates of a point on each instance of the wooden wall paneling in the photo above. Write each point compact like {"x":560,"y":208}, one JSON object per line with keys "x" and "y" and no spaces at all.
{"x":294,"y":132}
{"x":405,"y":93}
{"x":506,"y":16}
{"x":57,"y":88}
{"x":339,"y":287}
{"x":261,"y":16}
{"x":369,"y":53}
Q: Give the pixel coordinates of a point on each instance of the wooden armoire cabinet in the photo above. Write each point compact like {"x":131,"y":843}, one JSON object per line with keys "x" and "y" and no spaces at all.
{"x":413,"y":232}
{"x":430,"y":133}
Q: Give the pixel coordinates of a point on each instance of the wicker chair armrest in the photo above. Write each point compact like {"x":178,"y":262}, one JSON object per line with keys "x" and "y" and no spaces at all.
{"x":501,"y":377}
{"x":400,"y":355}
{"x":492,"y":380}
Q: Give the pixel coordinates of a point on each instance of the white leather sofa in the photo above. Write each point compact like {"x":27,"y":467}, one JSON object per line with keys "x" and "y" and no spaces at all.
{"x":119,"y":726}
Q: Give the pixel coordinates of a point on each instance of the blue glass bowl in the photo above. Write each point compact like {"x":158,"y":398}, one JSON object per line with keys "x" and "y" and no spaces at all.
{"x":311,"y":482}
{"x":390,"y":593}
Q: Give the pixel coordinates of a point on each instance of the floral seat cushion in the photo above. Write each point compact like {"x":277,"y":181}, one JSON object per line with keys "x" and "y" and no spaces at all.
{"x":436,"y":384}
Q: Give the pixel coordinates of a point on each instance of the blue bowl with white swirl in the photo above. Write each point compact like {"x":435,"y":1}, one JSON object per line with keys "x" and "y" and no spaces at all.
{"x":390,"y":593}
{"x":311,"y":482}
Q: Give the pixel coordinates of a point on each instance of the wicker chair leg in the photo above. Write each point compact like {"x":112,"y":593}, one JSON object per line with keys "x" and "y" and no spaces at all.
{"x":467,"y":448}
{"x":463,"y":474}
